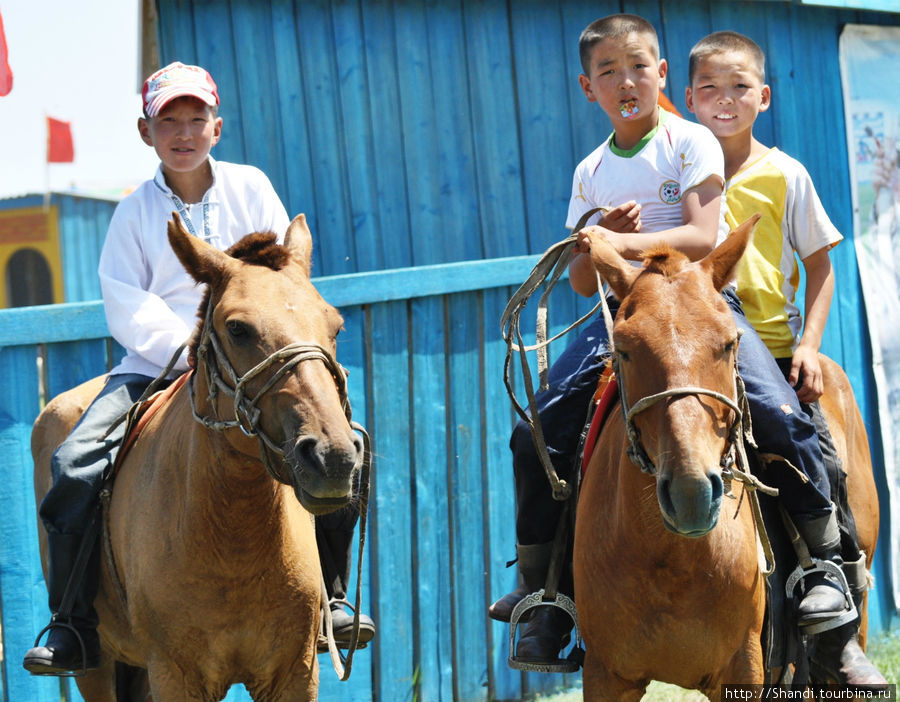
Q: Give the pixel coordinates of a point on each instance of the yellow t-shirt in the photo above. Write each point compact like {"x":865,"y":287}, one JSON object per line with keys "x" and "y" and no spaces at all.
{"x":793,"y":220}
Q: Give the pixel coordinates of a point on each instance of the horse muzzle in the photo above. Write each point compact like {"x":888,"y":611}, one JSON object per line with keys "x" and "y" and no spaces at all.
{"x":322,"y":472}
{"x":690,"y":504}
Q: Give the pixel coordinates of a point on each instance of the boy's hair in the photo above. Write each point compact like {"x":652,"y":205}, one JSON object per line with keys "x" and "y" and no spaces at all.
{"x":614,"y":27}
{"x":720,"y":42}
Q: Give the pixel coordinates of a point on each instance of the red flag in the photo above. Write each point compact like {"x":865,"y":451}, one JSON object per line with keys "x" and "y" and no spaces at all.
{"x":6,"y":76}
{"x":59,"y":141}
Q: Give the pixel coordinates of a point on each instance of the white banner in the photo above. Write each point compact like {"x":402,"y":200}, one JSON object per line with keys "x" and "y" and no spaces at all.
{"x":870,"y":63}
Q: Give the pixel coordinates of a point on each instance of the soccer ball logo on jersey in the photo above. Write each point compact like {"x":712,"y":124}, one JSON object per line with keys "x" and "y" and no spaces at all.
{"x":670,"y":192}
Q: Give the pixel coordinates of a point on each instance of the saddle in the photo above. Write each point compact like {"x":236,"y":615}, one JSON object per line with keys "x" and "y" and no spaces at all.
{"x":140,"y":414}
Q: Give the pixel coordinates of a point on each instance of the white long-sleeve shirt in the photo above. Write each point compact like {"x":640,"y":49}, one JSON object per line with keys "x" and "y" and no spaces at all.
{"x":150,"y":300}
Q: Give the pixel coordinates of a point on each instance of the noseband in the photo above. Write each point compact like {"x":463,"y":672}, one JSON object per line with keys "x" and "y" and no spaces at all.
{"x":635,"y":449}
{"x":246,"y":413}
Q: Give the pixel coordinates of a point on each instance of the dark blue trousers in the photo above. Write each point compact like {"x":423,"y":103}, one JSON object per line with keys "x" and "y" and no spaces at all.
{"x":80,"y":461}
{"x":780,"y":426}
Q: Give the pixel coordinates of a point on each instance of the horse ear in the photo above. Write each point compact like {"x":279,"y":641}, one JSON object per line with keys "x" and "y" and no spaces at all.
{"x":722,"y":261}
{"x":615,"y":270}
{"x":203,"y":261}
{"x":298,"y":240}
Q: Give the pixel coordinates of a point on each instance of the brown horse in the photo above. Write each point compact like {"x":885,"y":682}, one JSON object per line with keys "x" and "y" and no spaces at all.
{"x":214,"y":577}
{"x":688,"y":611}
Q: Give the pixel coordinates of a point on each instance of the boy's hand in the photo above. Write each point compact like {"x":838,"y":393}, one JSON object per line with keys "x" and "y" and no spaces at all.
{"x":806,"y":370}
{"x":624,"y":218}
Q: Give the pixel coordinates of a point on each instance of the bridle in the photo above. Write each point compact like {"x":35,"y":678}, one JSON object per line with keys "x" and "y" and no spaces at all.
{"x":246,"y":413}
{"x":736,"y":432}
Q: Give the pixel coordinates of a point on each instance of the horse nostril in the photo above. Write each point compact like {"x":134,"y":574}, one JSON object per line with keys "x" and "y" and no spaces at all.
{"x":307,"y":452}
{"x":717,"y":488}
{"x":663,"y":484}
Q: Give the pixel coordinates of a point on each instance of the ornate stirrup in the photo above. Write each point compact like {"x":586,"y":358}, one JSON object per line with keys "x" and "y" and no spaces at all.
{"x":831,"y":568}
{"x":548,"y":596}
{"x":540,"y":599}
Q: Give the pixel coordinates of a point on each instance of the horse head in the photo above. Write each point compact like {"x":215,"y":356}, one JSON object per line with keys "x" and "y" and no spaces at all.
{"x":675,"y":344}
{"x":264,"y":361}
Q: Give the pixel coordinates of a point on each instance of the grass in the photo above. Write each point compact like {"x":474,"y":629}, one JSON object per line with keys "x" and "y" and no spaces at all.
{"x":883,"y":651}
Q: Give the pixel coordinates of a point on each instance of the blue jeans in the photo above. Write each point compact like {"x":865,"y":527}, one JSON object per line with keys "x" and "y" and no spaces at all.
{"x":780,"y":426}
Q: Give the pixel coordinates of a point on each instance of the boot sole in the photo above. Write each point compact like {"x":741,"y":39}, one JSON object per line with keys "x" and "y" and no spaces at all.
{"x":39,"y":666}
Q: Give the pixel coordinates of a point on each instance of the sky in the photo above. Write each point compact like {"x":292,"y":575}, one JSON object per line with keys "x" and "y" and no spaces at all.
{"x":77,"y":61}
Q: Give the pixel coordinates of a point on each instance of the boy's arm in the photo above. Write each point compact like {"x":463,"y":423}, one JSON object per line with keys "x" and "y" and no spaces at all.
{"x":819,"y":290}
{"x":696,"y":236}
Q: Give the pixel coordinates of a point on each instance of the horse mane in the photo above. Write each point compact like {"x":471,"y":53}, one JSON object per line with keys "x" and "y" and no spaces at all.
{"x":664,"y":259}
{"x":258,"y":249}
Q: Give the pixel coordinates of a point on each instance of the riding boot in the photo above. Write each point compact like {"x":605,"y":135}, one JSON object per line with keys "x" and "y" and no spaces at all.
{"x":546,"y":630}
{"x":838,"y":658}
{"x":335,"y":553}
{"x":824,"y":595}
{"x":62,"y":653}
{"x":532,"y":563}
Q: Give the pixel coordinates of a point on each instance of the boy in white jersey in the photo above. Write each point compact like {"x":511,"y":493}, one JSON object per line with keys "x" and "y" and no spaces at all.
{"x":662,"y":178}
{"x":727,"y":91}
{"x":151,"y":305}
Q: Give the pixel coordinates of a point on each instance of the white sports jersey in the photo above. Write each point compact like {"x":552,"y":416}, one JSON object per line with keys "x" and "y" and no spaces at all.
{"x":670,"y":160}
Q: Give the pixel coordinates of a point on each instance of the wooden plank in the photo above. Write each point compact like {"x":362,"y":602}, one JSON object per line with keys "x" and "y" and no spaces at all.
{"x":328,"y":201}
{"x":23,"y":595}
{"x":432,"y":587}
{"x":496,"y":158}
{"x":71,"y":363}
{"x":465,"y":423}
{"x":297,"y":190}
{"x":542,"y":76}
{"x":392,"y":506}
{"x":500,"y":513}
{"x":391,"y":207}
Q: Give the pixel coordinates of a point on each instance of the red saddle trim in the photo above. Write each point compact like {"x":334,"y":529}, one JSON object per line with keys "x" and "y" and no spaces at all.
{"x":147,"y":409}
{"x":604,"y":398}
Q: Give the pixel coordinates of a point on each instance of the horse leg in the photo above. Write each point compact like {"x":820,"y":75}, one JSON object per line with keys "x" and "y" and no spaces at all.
{"x":99,"y":685}
{"x":745,"y":668}
{"x":600,"y":684}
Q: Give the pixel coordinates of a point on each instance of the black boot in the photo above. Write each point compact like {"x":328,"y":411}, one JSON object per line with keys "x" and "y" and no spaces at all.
{"x":72,"y":645}
{"x":824,"y":595}
{"x":546,"y":628}
{"x":532,"y":563}
{"x":334,"y":536}
{"x":838,"y":658}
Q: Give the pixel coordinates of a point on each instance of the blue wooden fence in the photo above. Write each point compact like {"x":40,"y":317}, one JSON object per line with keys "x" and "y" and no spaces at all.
{"x":425,"y":357}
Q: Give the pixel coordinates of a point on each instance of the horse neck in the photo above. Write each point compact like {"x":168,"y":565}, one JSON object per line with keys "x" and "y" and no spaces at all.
{"x":225,"y":486}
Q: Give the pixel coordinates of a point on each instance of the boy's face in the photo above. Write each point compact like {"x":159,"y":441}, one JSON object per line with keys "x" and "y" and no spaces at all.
{"x":625,"y":78}
{"x":727,"y":94}
{"x":182,"y":133}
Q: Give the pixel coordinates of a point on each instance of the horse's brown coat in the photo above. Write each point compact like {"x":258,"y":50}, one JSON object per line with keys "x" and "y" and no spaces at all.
{"x":653,"y":604}
{"x":218,"y":560}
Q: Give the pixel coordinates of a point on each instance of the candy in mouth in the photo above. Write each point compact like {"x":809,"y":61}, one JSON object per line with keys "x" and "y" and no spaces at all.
{"x":628,"y":109}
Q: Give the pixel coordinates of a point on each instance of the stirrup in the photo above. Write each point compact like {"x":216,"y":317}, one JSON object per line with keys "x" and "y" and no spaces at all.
{"x":56,"y":623}
{"x":829,"y":568}
{"x":536,"y":599}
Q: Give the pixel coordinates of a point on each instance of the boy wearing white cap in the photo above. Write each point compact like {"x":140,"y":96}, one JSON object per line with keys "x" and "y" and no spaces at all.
{"x":150,"y":304}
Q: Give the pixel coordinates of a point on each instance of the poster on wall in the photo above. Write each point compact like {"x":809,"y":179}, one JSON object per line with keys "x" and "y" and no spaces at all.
{"x":872,"y":105}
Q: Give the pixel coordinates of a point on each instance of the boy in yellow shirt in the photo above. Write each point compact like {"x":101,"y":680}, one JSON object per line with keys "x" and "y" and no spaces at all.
{"x":727,"y":91}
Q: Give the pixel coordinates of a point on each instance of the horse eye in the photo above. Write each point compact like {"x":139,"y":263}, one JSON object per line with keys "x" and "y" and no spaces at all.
{"x":729,"y":347}
{"x":624,"y":356}
{"x":237,"y":330}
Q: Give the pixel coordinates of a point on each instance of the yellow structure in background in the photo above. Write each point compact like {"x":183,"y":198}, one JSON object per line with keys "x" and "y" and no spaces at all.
{"x":30,"y":257}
